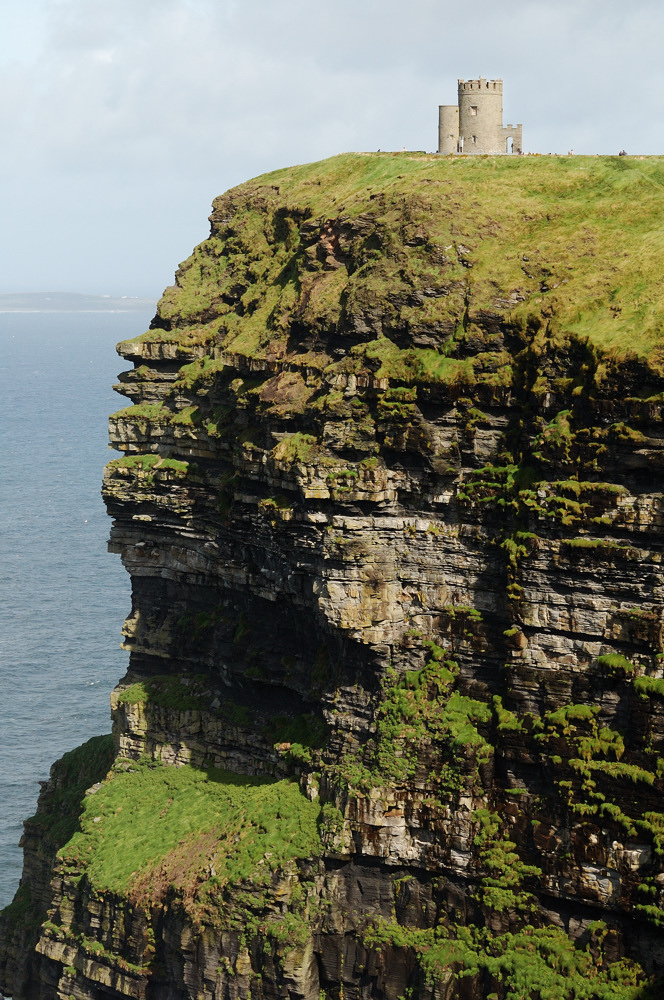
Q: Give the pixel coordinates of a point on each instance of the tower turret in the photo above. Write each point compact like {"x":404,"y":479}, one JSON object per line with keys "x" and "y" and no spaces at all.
{"x":448,"y":128}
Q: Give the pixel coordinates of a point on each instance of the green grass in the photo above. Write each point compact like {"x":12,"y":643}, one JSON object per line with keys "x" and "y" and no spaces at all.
{"x":649,"y":687}
{"x":150,"y":463}
{"x":616,"y":664}
{"x":588,"y":769}
{"x":578,"y":238}
{"x":295,"y":447}
{"x":153,"y":816}
{"x":143,"y":411}
{"x":160,"y":414}
{"x":606,"y":547}
{"x":417,"y":364}
{"x":423,"y":709}
{"x":532,"y":962}
{"x":168,"y":691}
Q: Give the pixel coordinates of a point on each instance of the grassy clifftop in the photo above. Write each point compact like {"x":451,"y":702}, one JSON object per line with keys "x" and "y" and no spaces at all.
{"x":385,"y":242}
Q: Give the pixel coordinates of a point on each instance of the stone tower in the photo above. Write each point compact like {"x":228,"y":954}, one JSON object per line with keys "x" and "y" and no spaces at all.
{"x":475,"y":123}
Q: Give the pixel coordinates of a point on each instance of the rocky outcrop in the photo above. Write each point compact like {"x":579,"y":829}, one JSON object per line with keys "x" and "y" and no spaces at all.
{"x":390,"y":499}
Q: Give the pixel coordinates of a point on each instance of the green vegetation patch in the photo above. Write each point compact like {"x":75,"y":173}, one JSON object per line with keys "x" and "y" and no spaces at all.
{"x":423,"y":709}
{"x":532,"y":962}
{"x":616,"y":665}
{"x":168,"y":691}
{"x":587,"y":766}
{"x":139,"y":821}
{"x":296,"y":447}
{"x":199,"y":374}
{"x":649,"y":687}
{"x":601,"y":548}
{"x":503,"y":886}
{"x":150,"y":464}
{"x":418,"y":364}
{"x":422,"y":705}
{"x":143,"y":411}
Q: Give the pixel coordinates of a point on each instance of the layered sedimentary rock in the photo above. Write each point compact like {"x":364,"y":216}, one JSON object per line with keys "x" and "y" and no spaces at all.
{"x":390,"y":498}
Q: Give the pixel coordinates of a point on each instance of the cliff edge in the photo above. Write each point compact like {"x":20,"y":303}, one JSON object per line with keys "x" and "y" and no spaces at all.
{"x":390,"y":496}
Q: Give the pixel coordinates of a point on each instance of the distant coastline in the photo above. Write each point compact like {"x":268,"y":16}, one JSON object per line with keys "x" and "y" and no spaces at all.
{"x":44,"y":302}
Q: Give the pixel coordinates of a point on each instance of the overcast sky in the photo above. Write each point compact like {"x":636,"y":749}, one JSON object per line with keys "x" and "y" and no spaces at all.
{"x":120,"y":120}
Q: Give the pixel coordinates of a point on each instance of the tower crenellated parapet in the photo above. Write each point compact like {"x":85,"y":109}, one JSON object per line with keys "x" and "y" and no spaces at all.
{"x":481,"y":84}
{"x":475,"y":124}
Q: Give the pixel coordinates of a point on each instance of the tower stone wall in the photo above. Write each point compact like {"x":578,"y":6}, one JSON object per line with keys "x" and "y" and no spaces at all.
{"x":481,"y":116}
{"x":448,"y":128}
{"x":475,"y":125}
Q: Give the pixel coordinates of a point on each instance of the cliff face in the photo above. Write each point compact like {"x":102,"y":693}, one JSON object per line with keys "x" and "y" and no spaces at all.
{"x":390,"y":498}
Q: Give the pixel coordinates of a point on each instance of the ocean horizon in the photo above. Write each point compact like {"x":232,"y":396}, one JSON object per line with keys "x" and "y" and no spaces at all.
{"x":73,"y":302}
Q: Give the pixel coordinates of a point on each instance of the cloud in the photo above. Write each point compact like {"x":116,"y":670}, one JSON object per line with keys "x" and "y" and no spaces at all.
{"x":131,"y":85}
{"x":174,"y":100}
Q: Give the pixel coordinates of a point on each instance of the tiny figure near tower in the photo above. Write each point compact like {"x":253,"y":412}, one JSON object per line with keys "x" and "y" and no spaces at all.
{"x":475,"y":123}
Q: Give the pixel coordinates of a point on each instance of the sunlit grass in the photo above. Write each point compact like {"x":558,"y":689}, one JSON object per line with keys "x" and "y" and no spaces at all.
{"x":591,"y":228}
{"x":248,"y":825}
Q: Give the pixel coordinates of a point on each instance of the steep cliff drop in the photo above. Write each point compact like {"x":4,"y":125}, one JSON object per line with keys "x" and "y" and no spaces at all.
{"x":391,"y":502}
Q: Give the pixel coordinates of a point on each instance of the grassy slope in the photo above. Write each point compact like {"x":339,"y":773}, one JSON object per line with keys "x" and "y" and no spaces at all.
{"x":580,"y":239}
{"x":138,"y":819}
{"x":592,"y":225}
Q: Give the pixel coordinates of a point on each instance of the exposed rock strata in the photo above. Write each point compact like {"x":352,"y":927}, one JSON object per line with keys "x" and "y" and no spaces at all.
{"x":395,"y":533}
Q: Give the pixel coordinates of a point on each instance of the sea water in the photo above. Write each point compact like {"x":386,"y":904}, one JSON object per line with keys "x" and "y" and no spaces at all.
{"x":63,"y":598}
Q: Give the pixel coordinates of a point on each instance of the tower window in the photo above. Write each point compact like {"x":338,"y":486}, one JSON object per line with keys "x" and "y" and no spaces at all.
{"x":473,"y":110}
{"x":474,"y":138}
